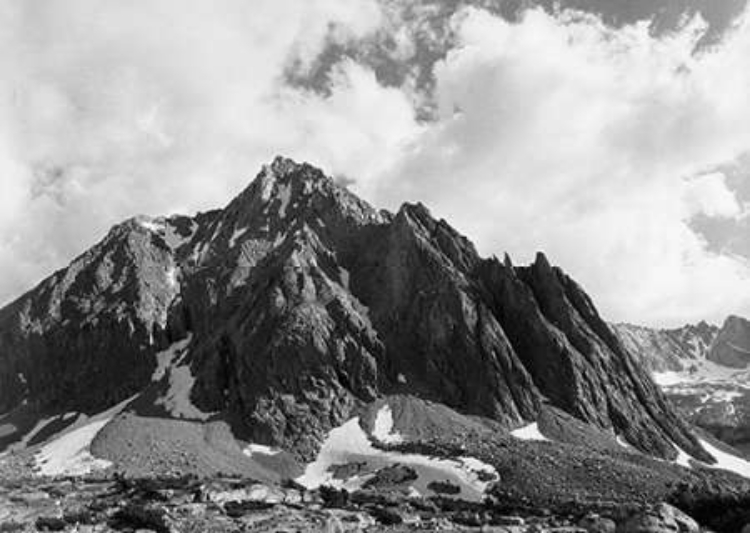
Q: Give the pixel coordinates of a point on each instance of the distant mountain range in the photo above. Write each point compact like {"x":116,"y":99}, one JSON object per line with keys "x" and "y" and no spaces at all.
{"x":704,"y":369}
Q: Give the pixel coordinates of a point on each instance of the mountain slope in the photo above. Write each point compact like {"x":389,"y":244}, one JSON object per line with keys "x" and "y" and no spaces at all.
{"x":704,"y":371}
{"x":296,"y":306}
{"x":667,"y":350}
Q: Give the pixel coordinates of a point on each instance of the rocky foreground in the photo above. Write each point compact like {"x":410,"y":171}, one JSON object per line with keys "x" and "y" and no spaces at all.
{"x":185,"y":504}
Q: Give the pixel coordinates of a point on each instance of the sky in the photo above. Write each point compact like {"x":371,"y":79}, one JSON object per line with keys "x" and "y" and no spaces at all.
{"x":613,"y":135}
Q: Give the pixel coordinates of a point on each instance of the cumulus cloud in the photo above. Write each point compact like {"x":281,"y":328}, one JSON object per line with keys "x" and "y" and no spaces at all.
{"x":557,"y":132}
{"x":710,"y":196}
{"x":591,"y":143}
{"x":114,"y":109}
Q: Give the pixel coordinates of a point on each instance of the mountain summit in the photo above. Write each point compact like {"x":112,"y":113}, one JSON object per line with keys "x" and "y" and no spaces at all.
{"x":296,"y":307}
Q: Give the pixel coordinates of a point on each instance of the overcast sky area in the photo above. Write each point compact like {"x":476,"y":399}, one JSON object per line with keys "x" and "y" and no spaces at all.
{"x":615,"y":139}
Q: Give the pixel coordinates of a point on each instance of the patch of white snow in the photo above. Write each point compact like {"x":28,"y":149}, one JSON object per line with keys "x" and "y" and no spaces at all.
{"x":530,"y":432}
{"x":153,"y":225}
{"x":236,"y":235}
{"x":285,"y":194}
{"x":727,"y":461}
{"x":266,"y":185}
{"x":349,"y":443}
{"x":69,"y":454}
{"x":683,"y":458}
{"x":179,"y":380}
{"x":260,"y":449}
{"x":383,"y":427}
{"x":172,"y":277}
{"x":666,"y":379}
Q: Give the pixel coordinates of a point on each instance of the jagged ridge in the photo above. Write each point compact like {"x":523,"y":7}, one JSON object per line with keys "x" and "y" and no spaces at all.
{"x":304,"y":303}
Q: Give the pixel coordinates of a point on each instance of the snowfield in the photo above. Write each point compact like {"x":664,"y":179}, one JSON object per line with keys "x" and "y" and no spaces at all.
{"x":683,"y":458}
{"x":383,"y":430}
{"x":179,"y":382}
{"x":69,"y":454}
{"x":727,"y":461}
{"x":348,"y":444}
{"x":724,"y":460}
{"x":704,"y":372}
{"x":530,"y":432}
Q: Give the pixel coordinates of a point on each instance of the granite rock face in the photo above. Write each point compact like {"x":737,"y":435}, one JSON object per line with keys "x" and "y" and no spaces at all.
{"x":303,"y":303}
{"x":732,"y":345}
{"x":86,"y":336}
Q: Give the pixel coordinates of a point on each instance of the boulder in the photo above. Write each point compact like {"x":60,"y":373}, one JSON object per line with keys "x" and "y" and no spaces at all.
{"x":386,"y":516}
{"x":392,"y":475}
{"x":593,"y":523}
{"x":662,"y":518}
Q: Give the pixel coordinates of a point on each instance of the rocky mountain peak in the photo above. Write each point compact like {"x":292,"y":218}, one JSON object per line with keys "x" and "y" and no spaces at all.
{"x":299,"y":303}
{"x":287,"y":190}
{"x":541,"y":263}
{"x":732,"y":344}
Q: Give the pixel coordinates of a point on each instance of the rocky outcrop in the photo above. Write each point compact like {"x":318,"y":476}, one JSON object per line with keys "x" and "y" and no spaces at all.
{"x":662,"y":518}
{"x":732,"y":345}
{"x":86,"y":336}
{"x":667,"y":350}
{"x":303,"y":303}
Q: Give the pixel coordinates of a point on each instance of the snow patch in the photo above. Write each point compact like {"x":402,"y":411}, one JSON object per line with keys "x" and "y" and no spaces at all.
{"x":266,"y":185}
{"x":349,"y":444}
{"x":724,"y":460}
{"x":176,"y":400}
{"x":260,"y":449}
{"x":69,"y":454}
{"x":179,"y":382}
{"x":683,"y":458}
{"x":285,"y":194}
{"x":153,"y":225}
{"x":704,"y":372}
{"x":727,"y":461}
{"x":530,"y":432}
{"x":172,"y":277}
{"x":236,"y":235}
{"x":667,"y":379}
{"x":383,"y":428}
{"x":217,"y":231}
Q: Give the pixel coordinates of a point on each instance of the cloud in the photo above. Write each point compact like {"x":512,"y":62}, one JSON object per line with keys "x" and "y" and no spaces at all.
{"x":170,"y":106}
{"x":597,"y":145}
{"x":591,"y":143}
{"x":710,"y":196}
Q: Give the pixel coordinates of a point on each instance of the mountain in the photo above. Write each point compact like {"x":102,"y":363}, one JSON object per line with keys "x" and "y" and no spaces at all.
{"x":703,"y":369}
{"x":667,"y":350}
{"x":732,"y":345}
{"x":260,"y":337}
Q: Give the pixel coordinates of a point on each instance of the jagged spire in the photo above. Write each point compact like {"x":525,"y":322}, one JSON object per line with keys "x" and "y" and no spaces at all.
{"x":507,"y":261}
